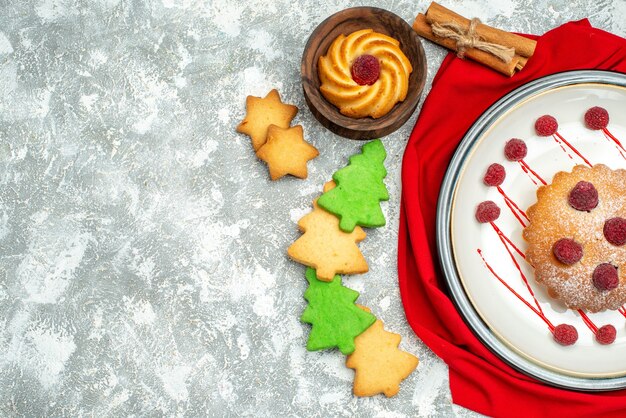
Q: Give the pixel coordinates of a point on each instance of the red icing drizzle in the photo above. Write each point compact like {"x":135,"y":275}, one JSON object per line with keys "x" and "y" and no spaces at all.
{"x":572,"y":148}
{"x":513,"y":206}
{"x":517,"y":266}
{"x":526,"y":168}
{"x":531,"y":307}
{"x":619,"y":145}
{"x":588,"y":321}
{"x":501,"y":235}
{"x":562,"y":147}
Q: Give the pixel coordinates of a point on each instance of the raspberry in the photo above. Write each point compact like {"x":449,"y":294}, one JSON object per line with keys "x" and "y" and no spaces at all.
{"x":495,"y":175}
{"x":615,"y":231}
{"x":365,"y":70}
{"x":567,"y":251}
{"x":605,"y":277}
{"x":606,"y":334}
{"x":487,"y":212}
{"x":565,"y":334}
{"x":583,"y":196}
{"x":596,"y":118}
{"x":515,"y":149}
{"x":546,"y":125}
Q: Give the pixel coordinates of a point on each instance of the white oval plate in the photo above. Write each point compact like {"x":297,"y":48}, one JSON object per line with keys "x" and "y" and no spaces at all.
{"x":500,"y":319}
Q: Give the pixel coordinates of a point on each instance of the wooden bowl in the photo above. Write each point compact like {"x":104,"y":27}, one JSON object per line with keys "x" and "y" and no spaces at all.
{"x":346,"y":22}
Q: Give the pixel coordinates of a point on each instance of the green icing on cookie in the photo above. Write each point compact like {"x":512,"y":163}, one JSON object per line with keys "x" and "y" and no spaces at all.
{"x":336,"y":320}
{"x":359,"y":189}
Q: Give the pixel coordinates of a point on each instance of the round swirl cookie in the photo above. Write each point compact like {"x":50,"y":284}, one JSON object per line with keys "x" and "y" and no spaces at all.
{"x":364,"y":74}
{"x":576,"y":237}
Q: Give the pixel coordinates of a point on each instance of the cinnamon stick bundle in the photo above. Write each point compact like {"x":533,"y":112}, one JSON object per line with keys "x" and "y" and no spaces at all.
{"x":437,"y":14}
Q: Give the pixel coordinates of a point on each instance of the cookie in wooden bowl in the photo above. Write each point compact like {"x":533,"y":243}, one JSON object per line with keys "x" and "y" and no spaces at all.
{"x":363,"y":71}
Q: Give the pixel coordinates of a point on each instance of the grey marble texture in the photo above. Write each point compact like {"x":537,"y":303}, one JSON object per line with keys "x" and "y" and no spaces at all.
{"x":142,"y":244}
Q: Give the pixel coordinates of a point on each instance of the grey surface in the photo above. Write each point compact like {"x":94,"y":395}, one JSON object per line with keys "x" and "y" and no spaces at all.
{"x":141,"y":241}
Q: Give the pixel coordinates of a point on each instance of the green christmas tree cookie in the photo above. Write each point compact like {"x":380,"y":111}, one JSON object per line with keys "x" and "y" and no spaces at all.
{"x":336,"y":320}
{"x":360,"y":188}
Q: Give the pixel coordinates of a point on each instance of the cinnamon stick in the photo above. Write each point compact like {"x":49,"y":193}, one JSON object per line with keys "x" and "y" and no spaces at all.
{"x":524,"y":47}
{"x":421,"y":26}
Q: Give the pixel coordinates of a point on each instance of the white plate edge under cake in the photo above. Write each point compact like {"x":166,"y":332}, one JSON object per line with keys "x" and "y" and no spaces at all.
{"x":479,"y":130}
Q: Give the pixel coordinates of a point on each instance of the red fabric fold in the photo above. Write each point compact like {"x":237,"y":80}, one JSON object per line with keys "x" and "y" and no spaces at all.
{"x":462,"y":90}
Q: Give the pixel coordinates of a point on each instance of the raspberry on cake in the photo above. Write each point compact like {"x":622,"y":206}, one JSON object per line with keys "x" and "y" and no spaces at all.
{"x":567,"y":251}
{"x":576,"y":238}
{"x":615,"y":231}
{"x":583,"y":196}
{"x":605,"y":277}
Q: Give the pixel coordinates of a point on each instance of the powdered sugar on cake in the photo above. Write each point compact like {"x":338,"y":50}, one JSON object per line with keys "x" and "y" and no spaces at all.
{"x":553,"y":218}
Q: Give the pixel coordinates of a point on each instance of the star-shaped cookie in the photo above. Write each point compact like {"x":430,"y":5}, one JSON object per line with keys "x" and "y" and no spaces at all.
{"x":263,"y":112}
{"x":286,"y":152}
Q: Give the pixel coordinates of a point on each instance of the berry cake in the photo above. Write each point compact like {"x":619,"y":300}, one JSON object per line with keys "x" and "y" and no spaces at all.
{"x":577,"y":235}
